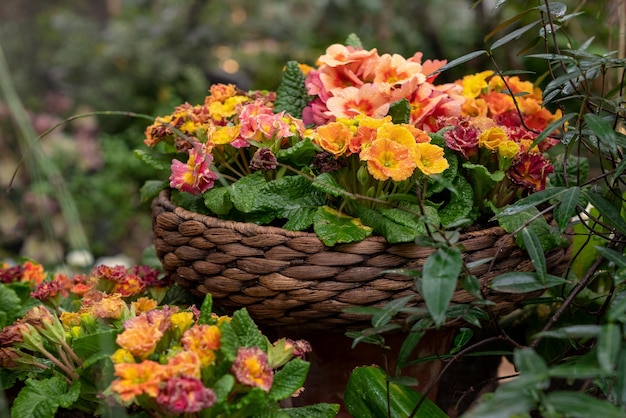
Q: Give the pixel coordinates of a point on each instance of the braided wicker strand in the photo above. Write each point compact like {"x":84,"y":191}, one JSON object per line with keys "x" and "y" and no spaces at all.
{"x":289,"y":278}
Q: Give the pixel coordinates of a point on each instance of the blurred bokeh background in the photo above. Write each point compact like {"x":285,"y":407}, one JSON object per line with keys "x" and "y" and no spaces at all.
{"x":78,"y":188}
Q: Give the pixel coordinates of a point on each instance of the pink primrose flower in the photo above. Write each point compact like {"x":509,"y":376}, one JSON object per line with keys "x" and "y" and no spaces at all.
{"x":250,"y":368}
{"x":369,"y":100}
{"x":184,"y":395}
{"x":195,"y":176}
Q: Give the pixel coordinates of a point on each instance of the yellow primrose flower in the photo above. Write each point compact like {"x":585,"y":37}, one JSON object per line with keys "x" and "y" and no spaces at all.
{"x":474,"y":84}
{"x":492,"y":138}
{"x":122,"y":355}
{"x":181,"y":320}
{"x":144,"y":304}
{"x":431,"y":159}
{"x":225,"y":134}
{"x":508,"y":149}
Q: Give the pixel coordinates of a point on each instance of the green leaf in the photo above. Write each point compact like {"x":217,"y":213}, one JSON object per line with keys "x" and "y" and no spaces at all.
{"x":42,"y":398}
{"x":408,"y":346}
{"x":206,"y":311}
{"x":245,"y":192}
{"x":576,"y":371}
{"x":291,"y":95}
{"x":334,"y":227}
{"x":400,"y":111}
{"x":354,"y":41}
{"x":617,"y":307}
{"x":580,"y":405}
{"x":223,"y":386}
{"x":513,"y":35}
{"x":603,"y":129}
{"x":567,"y":207}
{"x":607,"y":211}
{"x":461,"y":60}
{"x":94,"y":347}
{"x":535,"y":252}
{"x":396,"y":225}
{"x":10,"y":306}
{"x":461,"y":203}
{"x":439,"y":279}
{"x":151,"y":189}
{"x":532,"y":200}
{"x":299,"y":154}
{"x":572,"y":331}
{"x":327,"y":183}
{"x":217,"y":200}
{"x":246,"y":330}
{"x":549,"y":237}
{"x":157,"y":161}
{"x":318,"y":410}
{"x":504,"y":404}
{"x":608,"y":347}
{"x":620,"y":382}
{"x":289,"y":379}
{"x":527,"y":360}
{"x":293,"y":198}
{"x":461,"y":339}
{"x":551,"y":128}
{"x":524,"y":282}
{"x":383,"y":316}
{"x":367,"y":392}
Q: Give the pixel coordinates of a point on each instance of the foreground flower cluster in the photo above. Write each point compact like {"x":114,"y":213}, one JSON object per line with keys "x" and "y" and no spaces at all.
{"x":95,"y":342}
{"x":363,"y":131}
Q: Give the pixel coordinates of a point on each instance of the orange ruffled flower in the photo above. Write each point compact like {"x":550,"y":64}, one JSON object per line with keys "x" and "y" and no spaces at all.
{"x":136,"y":379}
{"x":334,"y":138}
{"x":387,"y":158}
{"x":203,"y":340}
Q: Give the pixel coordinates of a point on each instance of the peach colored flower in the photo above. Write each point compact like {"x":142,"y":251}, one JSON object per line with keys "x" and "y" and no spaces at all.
{"x":369,"y":100}
{"x":135,"y":379}
{"x":338,"y":54}
{"x":395,"y":70}
{"x":250,"y":368}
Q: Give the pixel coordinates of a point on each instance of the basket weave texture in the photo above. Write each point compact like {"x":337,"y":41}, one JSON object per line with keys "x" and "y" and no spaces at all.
{"x":289,"y":278}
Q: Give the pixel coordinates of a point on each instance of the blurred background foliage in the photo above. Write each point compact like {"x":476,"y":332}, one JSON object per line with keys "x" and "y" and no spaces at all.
{"x":72,"y":56}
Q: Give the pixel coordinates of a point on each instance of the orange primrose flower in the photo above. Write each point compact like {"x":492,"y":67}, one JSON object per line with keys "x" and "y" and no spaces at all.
{"x":387,"y":158}
{"x":136,"y":379}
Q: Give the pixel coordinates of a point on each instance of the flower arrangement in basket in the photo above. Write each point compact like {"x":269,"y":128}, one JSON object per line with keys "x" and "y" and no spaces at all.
{"x":109,"y":343}
{"x":361,"y":144}
{"x":298,"y":203}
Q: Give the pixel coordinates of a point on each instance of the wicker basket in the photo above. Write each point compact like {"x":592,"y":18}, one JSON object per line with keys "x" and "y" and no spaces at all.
{"x":289,"y":278}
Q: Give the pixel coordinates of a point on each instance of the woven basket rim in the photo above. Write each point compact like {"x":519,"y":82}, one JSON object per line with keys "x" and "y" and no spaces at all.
{"x":250,"y":228}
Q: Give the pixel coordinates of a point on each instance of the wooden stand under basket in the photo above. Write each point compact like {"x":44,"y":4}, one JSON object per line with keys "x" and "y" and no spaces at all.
{"x":289,"y":281}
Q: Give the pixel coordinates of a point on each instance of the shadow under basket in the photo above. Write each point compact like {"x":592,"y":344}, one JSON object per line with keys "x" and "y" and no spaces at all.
{"x":291,"y":279}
